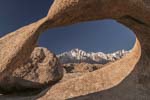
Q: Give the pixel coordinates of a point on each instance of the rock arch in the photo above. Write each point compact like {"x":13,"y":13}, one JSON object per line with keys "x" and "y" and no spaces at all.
{"x":126,"y":79}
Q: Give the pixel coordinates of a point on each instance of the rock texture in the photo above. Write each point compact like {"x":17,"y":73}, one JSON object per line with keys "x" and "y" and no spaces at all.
{"x":16,"y":48}
{"x":125,"y":79}
{"x":41,"y":70}
{"x":42,"y":67}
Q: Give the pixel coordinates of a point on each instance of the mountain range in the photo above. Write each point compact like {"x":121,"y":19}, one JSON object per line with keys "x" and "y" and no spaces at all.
{"x":79,"y":56}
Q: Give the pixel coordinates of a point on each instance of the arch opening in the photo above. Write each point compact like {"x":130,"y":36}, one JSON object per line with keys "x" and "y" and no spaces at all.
{"x":104,"y":35}
{"x":81,"y":47}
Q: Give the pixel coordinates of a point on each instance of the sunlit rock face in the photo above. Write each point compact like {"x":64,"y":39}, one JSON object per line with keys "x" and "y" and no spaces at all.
{"x":41,"y":70}
{"x":42,"y":67}
{"x":125,"y":79}
{"x":125,"y":75}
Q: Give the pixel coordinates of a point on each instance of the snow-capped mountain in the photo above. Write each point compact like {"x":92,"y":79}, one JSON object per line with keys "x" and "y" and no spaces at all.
{"x":78,"y":56}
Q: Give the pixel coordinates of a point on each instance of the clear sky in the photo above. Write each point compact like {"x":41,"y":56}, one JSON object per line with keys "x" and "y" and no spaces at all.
{"x":106,"y":35}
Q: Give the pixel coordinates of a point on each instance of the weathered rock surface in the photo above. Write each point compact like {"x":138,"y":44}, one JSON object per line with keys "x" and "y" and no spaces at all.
{"x":18,"y":45}
{"x":42,"y":67}
{"x":125,"y":79}
{"x":16,"y":48}
{"x":41,"y":70}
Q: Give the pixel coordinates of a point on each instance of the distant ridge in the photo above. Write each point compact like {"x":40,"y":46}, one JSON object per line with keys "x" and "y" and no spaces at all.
{"x":78,"y":56}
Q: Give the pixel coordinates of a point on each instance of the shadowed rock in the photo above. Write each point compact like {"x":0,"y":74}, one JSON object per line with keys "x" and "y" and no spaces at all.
{"x":125,"y":79}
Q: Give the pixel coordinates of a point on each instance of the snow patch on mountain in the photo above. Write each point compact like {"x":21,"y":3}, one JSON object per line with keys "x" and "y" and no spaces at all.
{"x":78,"y":56}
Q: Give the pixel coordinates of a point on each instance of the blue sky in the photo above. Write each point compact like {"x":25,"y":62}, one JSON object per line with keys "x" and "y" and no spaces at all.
{"x":106,"y":35}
